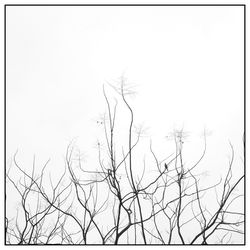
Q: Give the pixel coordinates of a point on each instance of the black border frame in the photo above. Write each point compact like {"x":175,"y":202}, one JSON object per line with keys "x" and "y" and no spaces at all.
{"x":117,"y":5}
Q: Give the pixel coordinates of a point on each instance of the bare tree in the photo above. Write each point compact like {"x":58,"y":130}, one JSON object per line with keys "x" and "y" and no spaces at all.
{"x":118,"y":201}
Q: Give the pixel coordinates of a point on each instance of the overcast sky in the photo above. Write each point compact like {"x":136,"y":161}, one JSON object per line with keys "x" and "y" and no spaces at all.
{"x":186,"y":64}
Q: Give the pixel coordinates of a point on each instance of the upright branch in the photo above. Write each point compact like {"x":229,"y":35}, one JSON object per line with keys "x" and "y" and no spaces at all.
{"x":124,"y":197}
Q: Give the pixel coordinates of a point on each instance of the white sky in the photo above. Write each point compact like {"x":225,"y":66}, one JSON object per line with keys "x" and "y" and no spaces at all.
{"x":186,"y":63}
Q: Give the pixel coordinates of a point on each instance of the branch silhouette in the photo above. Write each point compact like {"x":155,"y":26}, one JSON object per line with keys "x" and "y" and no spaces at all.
{"x":121,"y":200}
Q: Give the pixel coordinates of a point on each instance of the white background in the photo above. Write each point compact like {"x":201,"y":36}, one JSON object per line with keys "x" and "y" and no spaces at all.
{"x":187,"y":67}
